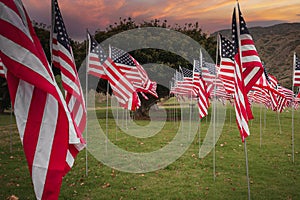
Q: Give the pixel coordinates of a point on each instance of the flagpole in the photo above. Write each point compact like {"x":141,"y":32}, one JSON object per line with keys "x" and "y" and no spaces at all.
{"x":10,"y":127}
{"x":241,"y":61}
{"x":106,"y":114}
{"x":265,"y":118}
{"x":260,"y":126}
{"x":86,"y":103}
{"x":247,"y":168}
{"x":294,"y":66}
{"x":117,"y":122}
{"x":279,"y":124}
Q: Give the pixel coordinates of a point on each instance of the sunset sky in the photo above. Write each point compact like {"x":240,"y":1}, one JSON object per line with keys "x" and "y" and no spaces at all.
{"x":212,"y":15}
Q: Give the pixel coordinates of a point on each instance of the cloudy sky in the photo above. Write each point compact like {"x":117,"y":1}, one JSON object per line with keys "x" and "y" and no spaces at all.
{"x":212,"y":15}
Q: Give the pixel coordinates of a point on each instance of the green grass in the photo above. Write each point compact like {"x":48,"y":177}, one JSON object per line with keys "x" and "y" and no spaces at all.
{"x":273,"y":175}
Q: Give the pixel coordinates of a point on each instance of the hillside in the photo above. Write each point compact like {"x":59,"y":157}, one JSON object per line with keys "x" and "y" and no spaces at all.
{"x":276,"y":45}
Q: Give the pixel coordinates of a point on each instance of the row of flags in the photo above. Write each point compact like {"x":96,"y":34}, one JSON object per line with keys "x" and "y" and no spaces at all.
{"x":240,"y":76}
{"x":51,"y":124}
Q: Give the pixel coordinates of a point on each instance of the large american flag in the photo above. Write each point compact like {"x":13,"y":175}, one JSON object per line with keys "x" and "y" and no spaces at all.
{"x":95,"y":58}
{"x":134,"y":72}
{"x":43,"y":119}
{"x":251,"y":63}
{"x":226,"y":72}
{"x":242,"y":106}
{"x":2,"y":72}
{"x":62,"y":58}
{"x":296,"y":77}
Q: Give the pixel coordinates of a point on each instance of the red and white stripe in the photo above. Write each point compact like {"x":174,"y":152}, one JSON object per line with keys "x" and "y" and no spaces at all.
{"x":44,"y":122}
{"x":94,"y":66}
{"x":226,"y":74}
{"x":64,"y":60}
{"x":296,"y":74}
{"x":2,"y":70}
{"x":242,"y":106}
{"x":202,"y":96}
{"x":122,"y":88}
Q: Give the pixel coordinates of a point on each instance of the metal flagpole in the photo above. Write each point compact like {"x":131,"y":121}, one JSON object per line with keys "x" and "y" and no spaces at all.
{"x":106,"y":121}
{"x":265,"y":118}
{"x":86,"y":103}
{"x":117,"y":122}
{"x":245,"y":144}
{"x":279,"y":124}
{"x":10,"y":127}
{"x":260,"y":126}
{"x":214,"y":110}
{"x":293,"y":147}
{"x":247,"y":168}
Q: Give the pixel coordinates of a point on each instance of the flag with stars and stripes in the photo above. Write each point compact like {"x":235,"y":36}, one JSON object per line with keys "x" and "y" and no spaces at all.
{"x":134,"y":72}
{"x":96,"y":56}
{"x":242,"y":107}
{"x":250,"y":61}
{"x":46,"y":128}
{"x":201,"y":90}
{"x":62,"y":58}
{"x":296,"y":77}
{"x":226,"y":72}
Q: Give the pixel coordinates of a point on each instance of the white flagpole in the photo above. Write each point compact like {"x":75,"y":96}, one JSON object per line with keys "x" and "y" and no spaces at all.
{"x":260,"y":125}
{"x":106,"y":121}
{"x":10,"y":127}
{"x":214,"y":109}
{"x":86,"y":103}
{"x":117,"y":122}
{"x":293,"y":147}
{"x":279,"y":124}
{"x":265,"y":118}
{"x":240,"y":54}
{"x":247,"y":168}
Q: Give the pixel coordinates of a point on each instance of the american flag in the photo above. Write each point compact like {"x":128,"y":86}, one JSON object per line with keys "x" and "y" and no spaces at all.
{"x":200,"y":88}
{"x":2,"y":72}
{"x":242,"y":106}
{"x":208,"y":73}
{"x":43,"y":118}
{"x":226,"y":72}
{"x":251,"y":63}
{"x":96,"y":57}
{"x":63,"y":59}
{"x":121,"y":85}
{"x":187,"y":82}
{"x":134,"y":72}
{"x":177,"y":88}
{"x":264,"y":83}
{"x":296,"y":78}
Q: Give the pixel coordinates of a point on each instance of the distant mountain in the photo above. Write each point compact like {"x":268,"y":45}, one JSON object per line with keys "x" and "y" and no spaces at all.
{"x":276,"y":45}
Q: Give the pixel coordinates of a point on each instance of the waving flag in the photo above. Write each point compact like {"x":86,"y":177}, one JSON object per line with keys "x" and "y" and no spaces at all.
{"x":226,"y":72}
{"x":296,"y":75}
{"x":242,"y":106}
{"x":2,"y":72}
{"x":63,"y":59}
{"x":250,"y":61}
{"x":134,"y":72}
{"x":95,"y":58}
{"x":201,"y":91}
{"x":43,"y":119}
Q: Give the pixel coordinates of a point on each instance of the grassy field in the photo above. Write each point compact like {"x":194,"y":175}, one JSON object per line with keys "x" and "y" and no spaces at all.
{"x":273,"y":175}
